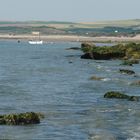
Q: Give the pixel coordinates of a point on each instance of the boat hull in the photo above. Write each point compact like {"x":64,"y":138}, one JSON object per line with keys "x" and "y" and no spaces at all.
{"x":36,"y":42}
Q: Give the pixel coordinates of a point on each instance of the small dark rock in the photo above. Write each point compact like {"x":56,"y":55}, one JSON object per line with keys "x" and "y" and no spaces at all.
{"x":115,"y":94}
{"x":74,"y":48}
{"x":125,"y":71}
{"x":134,"y":98}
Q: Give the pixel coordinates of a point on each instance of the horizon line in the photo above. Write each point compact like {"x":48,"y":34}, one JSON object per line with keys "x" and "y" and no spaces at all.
{"x":69,"y":21}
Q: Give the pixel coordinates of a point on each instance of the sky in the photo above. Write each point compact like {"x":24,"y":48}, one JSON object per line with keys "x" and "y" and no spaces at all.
{"x":69,"y":10}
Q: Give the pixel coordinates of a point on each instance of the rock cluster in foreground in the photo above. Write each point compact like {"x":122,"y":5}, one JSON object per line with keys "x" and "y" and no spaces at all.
{"x":20,"y":119}
{"x":119,"y":51}
{"x":119,"y":95}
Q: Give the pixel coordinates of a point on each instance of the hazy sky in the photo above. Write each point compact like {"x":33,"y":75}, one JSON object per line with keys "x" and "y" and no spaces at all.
{"x":69,"y":10}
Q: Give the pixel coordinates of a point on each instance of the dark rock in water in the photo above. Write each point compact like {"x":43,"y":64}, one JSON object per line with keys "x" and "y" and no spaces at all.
{"x":115,"y":94}
{"x":134,"y":98}
{"x":130,"y":62}
{"x":20,"y":119}
{"x":87,"y":56}
{"x":70,"y":62}
{"x":74,"y":48}
{"x":125,"y":71}
{"x":119,"y":95}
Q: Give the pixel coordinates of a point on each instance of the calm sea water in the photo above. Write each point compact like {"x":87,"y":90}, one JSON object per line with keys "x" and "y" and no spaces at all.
{"x":56,"y":82}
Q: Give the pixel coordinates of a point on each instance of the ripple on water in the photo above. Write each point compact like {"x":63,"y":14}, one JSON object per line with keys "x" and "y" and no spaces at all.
{"x":42,"y":79}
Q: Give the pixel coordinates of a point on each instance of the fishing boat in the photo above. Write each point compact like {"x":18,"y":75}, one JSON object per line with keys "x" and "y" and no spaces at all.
{"x":35,"y":42}
{"x":37,"y":39}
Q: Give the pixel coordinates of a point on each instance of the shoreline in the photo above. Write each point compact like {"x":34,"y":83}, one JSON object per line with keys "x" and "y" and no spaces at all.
{"x":71,"y":38}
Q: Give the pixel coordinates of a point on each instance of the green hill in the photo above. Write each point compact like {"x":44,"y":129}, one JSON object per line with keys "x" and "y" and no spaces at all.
{"x":116,"y":28}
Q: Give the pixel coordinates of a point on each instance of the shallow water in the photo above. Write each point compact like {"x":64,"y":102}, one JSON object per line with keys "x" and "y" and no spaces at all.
{"x":56,"y":82}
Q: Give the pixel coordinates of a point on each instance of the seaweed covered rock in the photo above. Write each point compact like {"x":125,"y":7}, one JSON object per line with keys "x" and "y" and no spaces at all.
{"x":119,"y":95}
{"x":119,"y":51}
{"x":125,"y":71}
{"x":87,"y":47}
{"x":115,"y":94}
{"x":20,"y":119}
{"x":104,"y":53}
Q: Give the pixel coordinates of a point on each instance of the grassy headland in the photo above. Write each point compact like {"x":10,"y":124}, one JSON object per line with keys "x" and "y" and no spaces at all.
{"x":123,"y":28}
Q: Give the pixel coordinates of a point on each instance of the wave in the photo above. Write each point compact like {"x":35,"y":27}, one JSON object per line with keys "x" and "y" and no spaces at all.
{"x":106,"y":79}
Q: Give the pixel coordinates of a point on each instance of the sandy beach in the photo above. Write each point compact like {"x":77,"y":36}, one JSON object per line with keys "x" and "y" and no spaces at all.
{"x":74,"y":38}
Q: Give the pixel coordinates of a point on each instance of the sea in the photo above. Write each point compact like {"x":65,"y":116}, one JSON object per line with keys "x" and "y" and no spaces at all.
{"x":55,"y":81}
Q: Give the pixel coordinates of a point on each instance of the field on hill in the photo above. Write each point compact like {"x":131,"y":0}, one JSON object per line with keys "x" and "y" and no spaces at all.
{"x":107,"y":28}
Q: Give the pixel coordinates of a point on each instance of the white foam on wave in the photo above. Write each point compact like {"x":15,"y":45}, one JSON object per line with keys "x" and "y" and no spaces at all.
{"x":99,"y":67}
{"x":108,"y":70}
{"x":110,"y":110}
{"x":106,"y":79}
{"x":135,"y":134}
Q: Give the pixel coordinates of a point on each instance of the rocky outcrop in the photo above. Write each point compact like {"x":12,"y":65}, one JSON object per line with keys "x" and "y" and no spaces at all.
{"x":125,"y":71}
{"x":119,"y":95}
{"x":120,"y":51}
{"x":20,"y":119}
{"x":115,"y":94}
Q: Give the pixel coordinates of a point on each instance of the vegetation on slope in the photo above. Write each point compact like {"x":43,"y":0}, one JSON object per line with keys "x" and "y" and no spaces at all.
{"x":107,"y":28}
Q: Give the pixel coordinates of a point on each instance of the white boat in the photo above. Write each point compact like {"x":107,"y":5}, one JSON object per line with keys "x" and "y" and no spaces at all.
{"x":36,"y":41}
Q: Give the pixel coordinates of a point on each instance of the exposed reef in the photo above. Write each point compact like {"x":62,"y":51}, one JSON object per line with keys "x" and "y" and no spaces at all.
{"x":119,"y":95}
{"x":20,"y":119}
{"x":119,"y":51}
